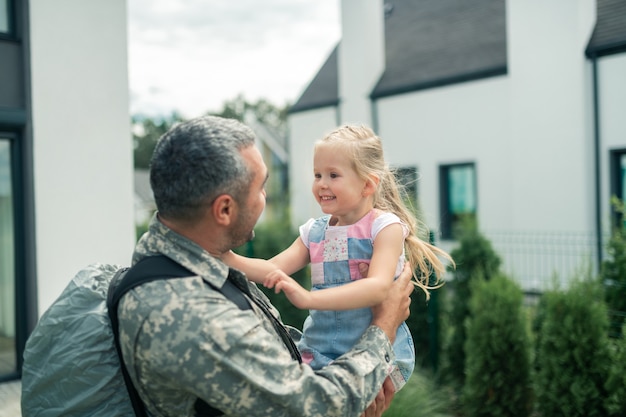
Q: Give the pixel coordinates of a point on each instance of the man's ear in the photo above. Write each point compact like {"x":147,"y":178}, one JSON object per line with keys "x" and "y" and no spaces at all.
{"x":370,"y":185}
{"x":224,"y":210}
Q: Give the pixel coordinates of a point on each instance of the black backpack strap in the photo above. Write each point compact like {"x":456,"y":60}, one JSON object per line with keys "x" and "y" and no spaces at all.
{"x":146,"y":270}
{"x":161,"y":267}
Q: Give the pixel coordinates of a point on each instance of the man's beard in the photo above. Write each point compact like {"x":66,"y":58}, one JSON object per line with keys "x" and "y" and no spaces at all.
{"x":241,"y":235}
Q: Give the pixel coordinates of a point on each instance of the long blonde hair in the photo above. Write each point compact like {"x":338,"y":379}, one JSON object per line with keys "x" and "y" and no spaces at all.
{"x":366,"y":152}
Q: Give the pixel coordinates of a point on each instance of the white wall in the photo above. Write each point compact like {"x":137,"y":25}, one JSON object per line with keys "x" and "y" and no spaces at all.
{"x":612,"y":105}
{"x":361,"y":57}
{"x":551,"y":124}
{"x":81,"y":138}
{"x":460,"y":123}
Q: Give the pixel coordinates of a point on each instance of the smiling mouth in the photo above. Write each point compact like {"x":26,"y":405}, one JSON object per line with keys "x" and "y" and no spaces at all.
{"x":327,"y":198}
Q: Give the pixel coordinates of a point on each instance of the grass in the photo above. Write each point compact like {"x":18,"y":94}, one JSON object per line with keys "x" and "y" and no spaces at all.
{"x":421,"y":396}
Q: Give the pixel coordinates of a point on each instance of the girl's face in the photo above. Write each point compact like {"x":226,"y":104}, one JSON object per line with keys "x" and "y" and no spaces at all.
{"x":337,"y":188}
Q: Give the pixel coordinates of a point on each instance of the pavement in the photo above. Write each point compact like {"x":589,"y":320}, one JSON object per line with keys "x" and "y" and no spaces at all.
{"x":10,"y":393}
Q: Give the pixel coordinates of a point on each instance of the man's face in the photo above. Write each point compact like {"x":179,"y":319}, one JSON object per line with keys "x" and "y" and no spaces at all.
{"x":251,"y":209}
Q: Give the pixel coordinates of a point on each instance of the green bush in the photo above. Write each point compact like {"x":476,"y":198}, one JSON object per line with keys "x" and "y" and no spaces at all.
{"x":613,"y":274}
{"x":572,"y":358}
{"x":270,"y":239}
{"x":420,"y":397}
{"x":425,"y":323}
{"x":497,"y":349}
{"x":474,"y":256}
{"x":617,"y":379}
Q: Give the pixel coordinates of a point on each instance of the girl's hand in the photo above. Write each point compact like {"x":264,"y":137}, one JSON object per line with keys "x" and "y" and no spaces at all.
{"x":274,"y":277}
{"x":280,"y":281}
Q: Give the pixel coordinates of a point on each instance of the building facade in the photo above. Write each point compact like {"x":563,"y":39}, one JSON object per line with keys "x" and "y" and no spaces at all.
{"x":509,"y":112}
{"x":66,"y":185}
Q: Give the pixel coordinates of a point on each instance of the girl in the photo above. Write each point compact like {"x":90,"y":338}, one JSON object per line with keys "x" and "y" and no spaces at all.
{"x":366,"y":224}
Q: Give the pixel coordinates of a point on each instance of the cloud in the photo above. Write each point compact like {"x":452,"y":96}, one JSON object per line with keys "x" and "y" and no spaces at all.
{"x":192,"y":55}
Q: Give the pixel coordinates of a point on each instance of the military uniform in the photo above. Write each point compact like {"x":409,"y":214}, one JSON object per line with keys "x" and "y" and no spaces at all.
{"x":182,"y":340}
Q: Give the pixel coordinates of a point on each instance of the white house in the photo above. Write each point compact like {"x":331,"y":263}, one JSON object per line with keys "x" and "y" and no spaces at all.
{"x":511,"y":111}
{"x":66,"y":185}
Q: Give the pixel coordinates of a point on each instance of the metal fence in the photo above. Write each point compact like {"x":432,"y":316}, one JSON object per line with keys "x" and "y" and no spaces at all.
{"x":540,"y":260}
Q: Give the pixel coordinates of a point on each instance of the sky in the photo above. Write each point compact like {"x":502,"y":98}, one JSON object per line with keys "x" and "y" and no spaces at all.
{"x":190,"y":56}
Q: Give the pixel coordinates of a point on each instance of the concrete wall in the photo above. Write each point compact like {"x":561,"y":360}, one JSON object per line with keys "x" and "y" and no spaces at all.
{"x":81,"y":139}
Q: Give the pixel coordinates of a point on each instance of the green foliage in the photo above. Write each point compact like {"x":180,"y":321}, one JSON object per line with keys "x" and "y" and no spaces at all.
{"x":419,"y":397}
{"x":572,"y":356}
{"x":265,"y":112}
{"x":270,"y":239}
{"x":617,"y":379}
{"x":146,"y":133}
{"x":613,"y":274}
{"x":140,"y":229}
{"x":423,"y":325}
{"x":473,"y":257}
{"x":497,"y":366}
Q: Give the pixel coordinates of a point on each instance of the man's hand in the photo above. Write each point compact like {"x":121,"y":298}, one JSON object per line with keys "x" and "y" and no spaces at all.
{"x":382,"y":401}
{"x":390,"y":314}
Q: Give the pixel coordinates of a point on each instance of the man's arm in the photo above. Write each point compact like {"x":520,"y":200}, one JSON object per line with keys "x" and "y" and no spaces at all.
{"x":232,"y":359}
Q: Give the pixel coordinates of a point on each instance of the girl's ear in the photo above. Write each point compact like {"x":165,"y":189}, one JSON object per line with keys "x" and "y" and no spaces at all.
{"x":370,"y":185}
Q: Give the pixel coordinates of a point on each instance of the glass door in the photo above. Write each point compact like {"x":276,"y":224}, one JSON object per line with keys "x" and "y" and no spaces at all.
{"x":8,"y":363}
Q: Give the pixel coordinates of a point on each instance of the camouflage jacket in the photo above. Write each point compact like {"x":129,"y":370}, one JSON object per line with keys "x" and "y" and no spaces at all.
{"x":182,"y":340}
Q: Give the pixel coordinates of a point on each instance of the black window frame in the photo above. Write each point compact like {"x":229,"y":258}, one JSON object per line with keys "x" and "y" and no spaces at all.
{"x":10,"y":34}
{"x":447,"y":220}
{"x":616,"y":185}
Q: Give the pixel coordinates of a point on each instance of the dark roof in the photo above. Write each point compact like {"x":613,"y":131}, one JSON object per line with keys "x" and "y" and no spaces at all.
{"x":323,"y":91}
{"x":609,"y":34}
{"x":429,"y":43}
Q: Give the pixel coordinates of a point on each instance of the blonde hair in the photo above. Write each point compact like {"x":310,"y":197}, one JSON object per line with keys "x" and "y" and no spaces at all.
{"x":366,"y":152}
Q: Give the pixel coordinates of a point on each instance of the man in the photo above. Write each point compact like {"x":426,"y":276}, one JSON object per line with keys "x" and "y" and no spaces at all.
{"x":189,"y":348}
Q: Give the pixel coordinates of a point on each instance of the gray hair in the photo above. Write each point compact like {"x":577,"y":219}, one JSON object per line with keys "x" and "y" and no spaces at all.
{"x":198,"y":160}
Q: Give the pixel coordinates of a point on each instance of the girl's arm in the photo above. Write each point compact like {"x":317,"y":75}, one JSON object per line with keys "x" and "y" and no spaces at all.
{"x":292,"y":259}
{"x":361,"y":293}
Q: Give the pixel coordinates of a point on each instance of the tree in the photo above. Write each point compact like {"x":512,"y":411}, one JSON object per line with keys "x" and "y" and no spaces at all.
{"x":147,"y":130}
{"x":613,"y":273}
{"x":263,"y":111}
{"x":573,"y":357}
{"x":146,"y":133}
{"x":497,"y":350}
{"x":474,"y":257}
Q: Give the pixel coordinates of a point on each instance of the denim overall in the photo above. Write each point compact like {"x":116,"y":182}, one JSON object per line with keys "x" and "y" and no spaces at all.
{"x":336,"y":252}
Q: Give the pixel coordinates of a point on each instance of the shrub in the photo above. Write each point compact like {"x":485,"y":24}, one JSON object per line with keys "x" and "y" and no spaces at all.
{"x":613,"y":274}
{"x":426,"y":324}
{"x":419,"y":397}
{"x":617,"y":379}
{"x":497,"y":351}
{"x":473,"y":257}
{"x":572,"y":356}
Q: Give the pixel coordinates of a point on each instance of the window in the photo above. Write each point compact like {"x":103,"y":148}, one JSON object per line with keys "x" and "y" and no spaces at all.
{"x":8,"y":363}
{"x":457,"y":196}
{"x":4,"y":16}
{"x":618,"y":182}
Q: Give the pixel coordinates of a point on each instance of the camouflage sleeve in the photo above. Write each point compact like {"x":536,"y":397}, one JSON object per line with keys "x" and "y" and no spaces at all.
{"x":230,"y":359}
